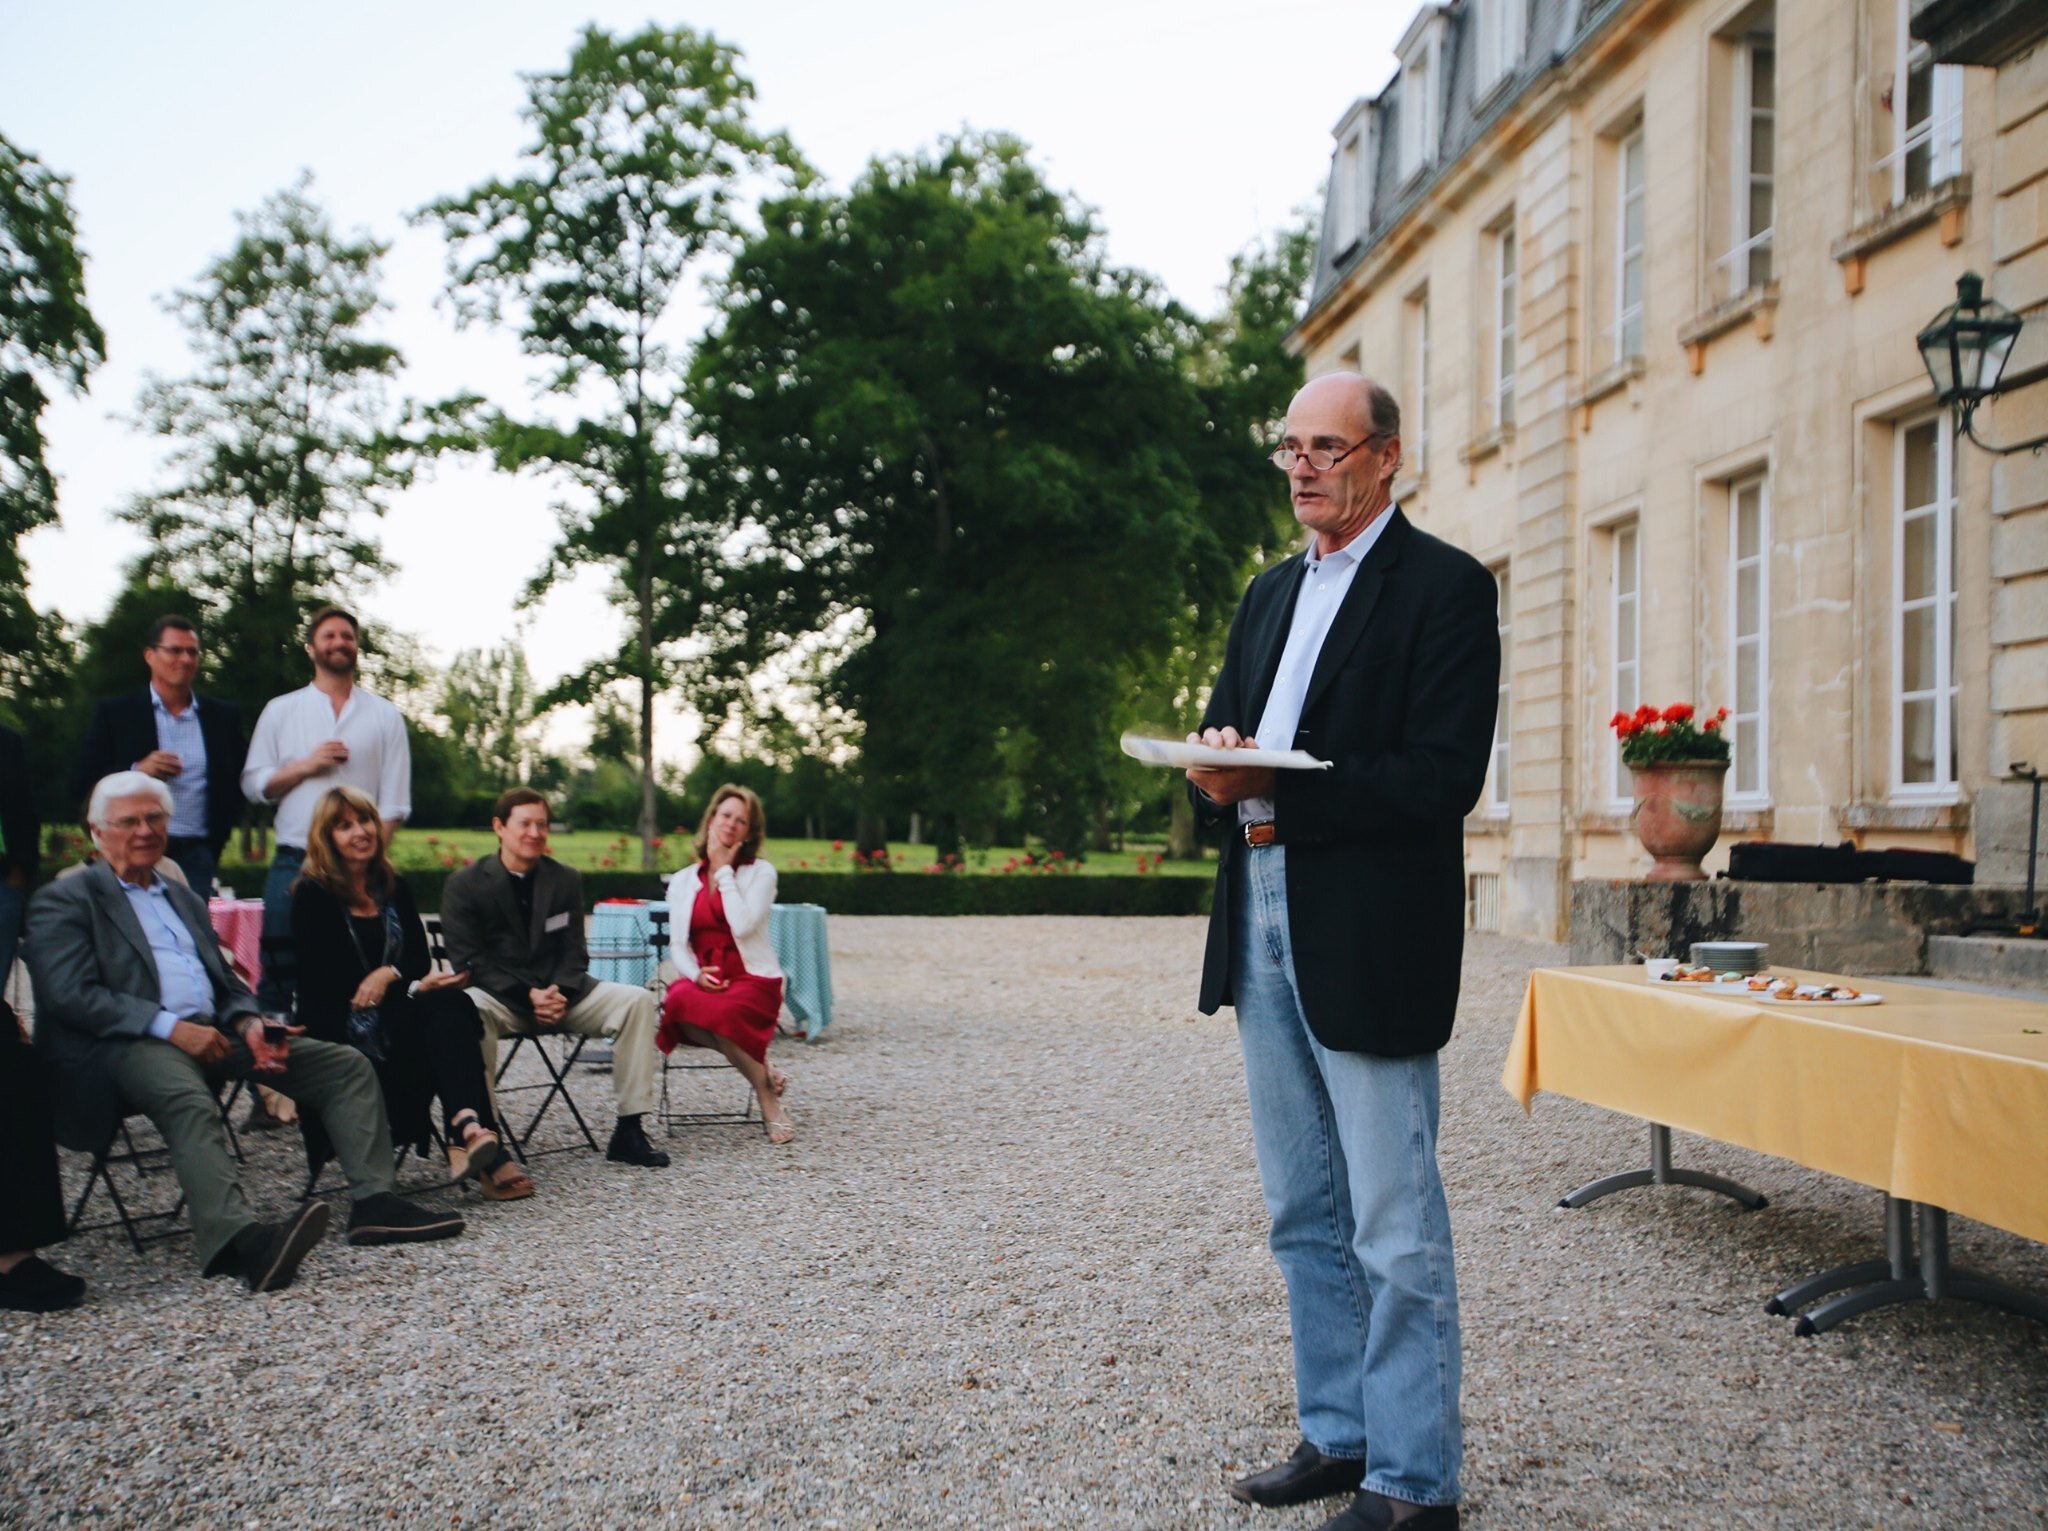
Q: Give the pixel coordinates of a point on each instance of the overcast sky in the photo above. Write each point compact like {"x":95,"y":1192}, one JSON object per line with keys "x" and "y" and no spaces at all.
{"x":1191,"y":127}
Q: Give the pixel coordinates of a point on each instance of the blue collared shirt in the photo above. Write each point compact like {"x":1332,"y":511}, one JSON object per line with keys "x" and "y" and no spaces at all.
{"x":179,"y":732}
{"x":1325,"y":581}
{"x":183,"y":987}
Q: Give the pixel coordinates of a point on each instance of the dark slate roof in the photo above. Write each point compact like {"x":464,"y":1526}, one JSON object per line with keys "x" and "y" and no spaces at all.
{"x":1555,"y":29}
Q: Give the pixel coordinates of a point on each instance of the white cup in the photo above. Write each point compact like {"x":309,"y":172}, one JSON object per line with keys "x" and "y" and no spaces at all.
{"x":1657,"y":969}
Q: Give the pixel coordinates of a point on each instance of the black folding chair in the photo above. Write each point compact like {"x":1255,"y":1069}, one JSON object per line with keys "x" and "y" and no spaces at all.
{"x":673,"y":1116}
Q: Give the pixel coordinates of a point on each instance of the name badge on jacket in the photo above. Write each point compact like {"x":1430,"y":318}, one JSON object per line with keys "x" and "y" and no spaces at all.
{"x":557,"y":922}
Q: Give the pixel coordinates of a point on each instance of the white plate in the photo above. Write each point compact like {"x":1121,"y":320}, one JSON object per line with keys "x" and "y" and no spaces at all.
{"x":1824,"y":1004}
{"x":1179,"y":753}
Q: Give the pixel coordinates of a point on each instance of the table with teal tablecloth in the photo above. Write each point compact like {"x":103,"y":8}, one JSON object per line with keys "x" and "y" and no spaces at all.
{"x":622,"y":949}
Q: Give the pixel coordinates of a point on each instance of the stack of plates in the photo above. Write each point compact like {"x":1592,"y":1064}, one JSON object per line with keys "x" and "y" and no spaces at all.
{"x":1729,"y":956}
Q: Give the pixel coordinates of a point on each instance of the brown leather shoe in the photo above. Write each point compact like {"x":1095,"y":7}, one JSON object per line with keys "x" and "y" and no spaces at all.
{"x":1306,"y":1475}
{"x":1375,"y":1512}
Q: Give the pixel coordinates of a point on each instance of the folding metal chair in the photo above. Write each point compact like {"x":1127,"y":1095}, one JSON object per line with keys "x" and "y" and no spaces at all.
{"x":673,"y":1116}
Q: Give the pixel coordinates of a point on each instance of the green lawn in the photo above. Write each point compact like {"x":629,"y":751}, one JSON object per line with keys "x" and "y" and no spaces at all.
{"x":597,"y":850}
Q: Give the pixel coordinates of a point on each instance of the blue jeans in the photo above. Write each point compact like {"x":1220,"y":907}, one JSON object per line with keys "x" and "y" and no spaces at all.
{"x":1347,"y":1159}
{"x":279,"y":983}
{"x":12,"y":901}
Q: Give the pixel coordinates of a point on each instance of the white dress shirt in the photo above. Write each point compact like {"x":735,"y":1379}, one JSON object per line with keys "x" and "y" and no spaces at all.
{"x":1325,"y":581}
{"x":379,"y":760}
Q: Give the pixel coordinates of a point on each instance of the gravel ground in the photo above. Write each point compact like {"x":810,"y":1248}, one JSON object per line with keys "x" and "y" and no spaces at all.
{"x":1013,"y":1273}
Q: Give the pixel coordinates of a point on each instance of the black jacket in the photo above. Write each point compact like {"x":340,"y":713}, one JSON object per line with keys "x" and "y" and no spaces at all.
{"x":506,"y":955}
{"x":123,"y":730}
{"x":328,"y":966}
{"x":1402,"y":701}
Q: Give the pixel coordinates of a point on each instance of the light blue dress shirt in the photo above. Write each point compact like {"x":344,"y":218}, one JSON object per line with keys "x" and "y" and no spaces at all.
{"x":183,"y":987}
{"x":181,"y":734}
{"x":1325,"y":581}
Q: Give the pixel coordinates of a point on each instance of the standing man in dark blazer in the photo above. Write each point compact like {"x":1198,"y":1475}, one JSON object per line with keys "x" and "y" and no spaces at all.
{"x":1336,"y":932}
{"x":514,"y":923}
{"x":192,"y":744}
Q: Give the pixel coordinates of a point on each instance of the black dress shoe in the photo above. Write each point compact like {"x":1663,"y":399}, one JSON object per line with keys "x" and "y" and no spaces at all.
{"x":1375,"y":1512}
{"x":1306,"y":1475}
{"x":388,"y":1219}
{"x":630,"y":1146}
{"x":269,"y":1253}
{"x":36,"y":1286}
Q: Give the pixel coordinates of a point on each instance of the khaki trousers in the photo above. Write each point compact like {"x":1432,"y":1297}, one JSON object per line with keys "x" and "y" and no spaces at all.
{"x":334,"y":1082}
{"x":621,"y":1012}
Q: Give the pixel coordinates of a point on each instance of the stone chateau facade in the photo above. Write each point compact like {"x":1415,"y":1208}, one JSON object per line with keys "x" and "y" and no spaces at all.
{"x":1645,"y":276}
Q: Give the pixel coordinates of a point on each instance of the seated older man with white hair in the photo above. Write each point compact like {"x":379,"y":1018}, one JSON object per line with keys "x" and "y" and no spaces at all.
{"x":137,"y":1011}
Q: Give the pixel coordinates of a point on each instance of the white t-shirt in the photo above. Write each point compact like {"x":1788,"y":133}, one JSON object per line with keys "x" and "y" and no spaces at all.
{"x":294,"y":725}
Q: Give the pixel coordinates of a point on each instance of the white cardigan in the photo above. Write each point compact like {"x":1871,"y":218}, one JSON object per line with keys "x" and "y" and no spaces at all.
{"x":748,"y":893}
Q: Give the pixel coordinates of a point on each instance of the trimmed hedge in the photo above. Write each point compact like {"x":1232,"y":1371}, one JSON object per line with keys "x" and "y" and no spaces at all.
{"x":882,"y":892}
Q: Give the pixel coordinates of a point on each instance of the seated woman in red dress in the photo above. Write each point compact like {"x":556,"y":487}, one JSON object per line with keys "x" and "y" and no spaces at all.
{"x":730,"y":991}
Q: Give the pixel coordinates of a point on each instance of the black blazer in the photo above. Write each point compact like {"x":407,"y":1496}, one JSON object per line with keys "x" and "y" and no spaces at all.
{"x":1402,"y":700}
{"x":123,"y":730}
{"x":507,"y":957}
{"x":328,"y":965}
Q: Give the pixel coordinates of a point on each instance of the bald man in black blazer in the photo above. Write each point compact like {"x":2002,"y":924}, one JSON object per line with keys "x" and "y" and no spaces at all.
{"x":1336,"y":931}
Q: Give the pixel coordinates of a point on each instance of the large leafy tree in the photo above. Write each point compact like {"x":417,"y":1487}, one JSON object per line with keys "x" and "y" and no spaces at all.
{"x":944,"y":424}
{"x":643,"y":147}
{"x":488,"y":704}
{"x":284,"y":442}
{"x":46,"y":334}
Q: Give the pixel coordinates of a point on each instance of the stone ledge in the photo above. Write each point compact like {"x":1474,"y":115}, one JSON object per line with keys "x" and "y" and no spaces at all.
{"x":1931,"y":816}
{"x":1602,"y":383}
{"x":2002,"y":962}
{"x":1857,"y":928}
{"x":1899,"y":220}
{"x":1759,"y":305}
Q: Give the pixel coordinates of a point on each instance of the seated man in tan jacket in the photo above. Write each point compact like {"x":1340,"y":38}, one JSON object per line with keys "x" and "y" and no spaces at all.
{"x":514,"y":921}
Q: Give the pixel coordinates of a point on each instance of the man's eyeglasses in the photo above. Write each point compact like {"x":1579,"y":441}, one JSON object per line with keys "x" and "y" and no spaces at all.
{"x":178,"y":650}
{"x":1322,"y":459}
{"x":127,"y":824}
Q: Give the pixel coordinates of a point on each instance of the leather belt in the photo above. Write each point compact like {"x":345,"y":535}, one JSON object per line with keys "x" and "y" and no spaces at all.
{"x":1259,"y":832}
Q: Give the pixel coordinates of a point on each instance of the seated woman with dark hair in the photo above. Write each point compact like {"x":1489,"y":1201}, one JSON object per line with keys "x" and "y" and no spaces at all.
{"x":730,"y":991}
{"x":365,"y":978}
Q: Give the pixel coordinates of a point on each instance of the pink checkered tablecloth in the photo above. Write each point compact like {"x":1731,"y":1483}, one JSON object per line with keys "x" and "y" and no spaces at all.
{"x":239,"y":924}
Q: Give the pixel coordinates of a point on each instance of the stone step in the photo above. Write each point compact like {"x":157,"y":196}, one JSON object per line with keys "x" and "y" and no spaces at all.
{"x":2004,"y":962}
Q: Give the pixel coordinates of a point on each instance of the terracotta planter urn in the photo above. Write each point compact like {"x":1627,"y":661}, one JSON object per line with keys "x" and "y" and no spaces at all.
{"x":1677,"y":815}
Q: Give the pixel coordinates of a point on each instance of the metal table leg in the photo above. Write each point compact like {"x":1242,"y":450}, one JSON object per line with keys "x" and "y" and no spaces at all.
{"x":1897,"y":1265}
{"x":1661,"y":1172}
{"x":1933,"y":1280}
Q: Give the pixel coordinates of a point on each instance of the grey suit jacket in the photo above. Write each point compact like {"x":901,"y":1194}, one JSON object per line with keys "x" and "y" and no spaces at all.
{"x":97,"y":991}
{"x":507,"y":956}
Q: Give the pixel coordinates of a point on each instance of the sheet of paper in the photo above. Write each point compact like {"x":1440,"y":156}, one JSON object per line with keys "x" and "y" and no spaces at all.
{"x":1180,"y":754}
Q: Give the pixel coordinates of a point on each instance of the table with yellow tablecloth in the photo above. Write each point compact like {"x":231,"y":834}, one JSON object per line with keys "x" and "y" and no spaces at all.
{"x":1937,"y":1097}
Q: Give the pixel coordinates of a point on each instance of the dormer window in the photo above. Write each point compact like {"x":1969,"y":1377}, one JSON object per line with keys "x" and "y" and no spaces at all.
{"x":1500,"y":32}
{"x":1351,"y":173}
{"x":1421,"y":101}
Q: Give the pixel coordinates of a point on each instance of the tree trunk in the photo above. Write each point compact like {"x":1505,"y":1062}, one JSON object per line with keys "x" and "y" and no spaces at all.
{"x":871,"y":834}
{"x":648,"y":861}
{"x":916,"y":835}
{"x":1180,"y":829}
{"x":1098,"y":840}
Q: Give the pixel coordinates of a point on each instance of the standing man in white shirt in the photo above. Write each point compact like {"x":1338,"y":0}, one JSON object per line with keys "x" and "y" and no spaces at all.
{"x":331,"y":734}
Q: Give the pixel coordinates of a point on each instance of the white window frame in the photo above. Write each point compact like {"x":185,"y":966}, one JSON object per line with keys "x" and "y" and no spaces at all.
{"x":1344,"y":210}
{"x":1507,"y":277}
{"x":1499,"y":786}
{"x":1945,"y":787}
{"x":1741,"y":720}
{"x":1742,"y":239}
{"x":1418,"y":108}
{"x":1942,"y":132}
{"x":1625,"y":677}
{"x":1625,"y":312}
{"x":1500,"y":28}
{"x":1418,"y":442}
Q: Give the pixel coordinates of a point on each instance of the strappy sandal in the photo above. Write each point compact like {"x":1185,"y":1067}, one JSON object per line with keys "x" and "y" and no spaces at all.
{"x":518,"y":1188}
{"x":482,"y":1149}
{"x":781,"y":1130}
